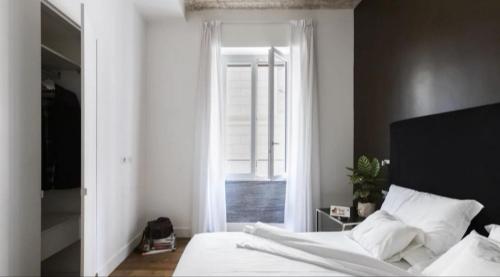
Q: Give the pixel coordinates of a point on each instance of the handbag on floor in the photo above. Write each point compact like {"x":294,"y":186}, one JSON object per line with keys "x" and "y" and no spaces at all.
{"x":158,"y":237}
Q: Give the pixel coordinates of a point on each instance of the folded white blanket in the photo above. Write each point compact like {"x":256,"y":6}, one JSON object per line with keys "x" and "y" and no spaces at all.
{"x":272,"y":240}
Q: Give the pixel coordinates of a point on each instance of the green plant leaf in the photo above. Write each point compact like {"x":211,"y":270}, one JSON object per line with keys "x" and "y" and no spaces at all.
{"x":355,"y":179}
{"x":364,"y":166}
{"x":364,"y":193}
{"x":367,"y":179}
{"x":375,"y":167}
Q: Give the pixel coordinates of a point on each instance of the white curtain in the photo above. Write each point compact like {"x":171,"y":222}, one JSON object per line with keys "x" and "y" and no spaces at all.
{"x":209,"y":201}
{"x":302,"y":193}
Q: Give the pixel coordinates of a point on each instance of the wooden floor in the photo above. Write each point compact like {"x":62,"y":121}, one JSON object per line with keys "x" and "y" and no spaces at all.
{"x":153,"y":265}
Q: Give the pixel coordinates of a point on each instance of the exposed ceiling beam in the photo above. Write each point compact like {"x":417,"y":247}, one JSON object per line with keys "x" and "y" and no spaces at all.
{"x":197,"y":5}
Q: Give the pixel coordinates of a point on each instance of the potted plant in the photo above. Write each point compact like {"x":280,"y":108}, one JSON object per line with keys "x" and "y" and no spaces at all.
{"x":368,"y":184}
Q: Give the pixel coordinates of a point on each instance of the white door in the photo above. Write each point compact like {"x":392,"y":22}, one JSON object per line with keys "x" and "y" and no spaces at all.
{"x":89,"y":145}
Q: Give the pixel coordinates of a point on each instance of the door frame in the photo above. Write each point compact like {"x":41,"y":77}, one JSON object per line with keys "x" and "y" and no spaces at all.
{"x":89,"y":47}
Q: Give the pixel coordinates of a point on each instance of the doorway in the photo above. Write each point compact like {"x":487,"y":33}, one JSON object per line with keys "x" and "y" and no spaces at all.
{"x":68,"y":143}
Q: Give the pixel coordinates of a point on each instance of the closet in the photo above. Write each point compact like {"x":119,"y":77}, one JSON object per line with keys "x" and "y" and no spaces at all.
{"x":61,"y":143}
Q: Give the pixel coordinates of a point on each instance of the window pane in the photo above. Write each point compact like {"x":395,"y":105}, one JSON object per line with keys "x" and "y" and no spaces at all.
{"x":280,"y":82}
{"x":262,"y":122}
{"x":238,"y":119}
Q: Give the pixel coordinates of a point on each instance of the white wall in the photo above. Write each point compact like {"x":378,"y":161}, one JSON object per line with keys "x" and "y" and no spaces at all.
{"x":20,"y":121}
{"x":172,"y":67}
{"x":4,"y":134}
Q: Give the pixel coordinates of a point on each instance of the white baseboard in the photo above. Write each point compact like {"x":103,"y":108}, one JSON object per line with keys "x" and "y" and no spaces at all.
{"x":182,"y":232}
{"x":113,"y":262}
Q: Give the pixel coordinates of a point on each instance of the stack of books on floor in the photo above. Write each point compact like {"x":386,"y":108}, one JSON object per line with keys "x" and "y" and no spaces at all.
{"x":162,"y":245}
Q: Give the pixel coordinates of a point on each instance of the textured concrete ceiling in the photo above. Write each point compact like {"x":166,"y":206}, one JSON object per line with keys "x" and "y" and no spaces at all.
{"x":196,"y":5}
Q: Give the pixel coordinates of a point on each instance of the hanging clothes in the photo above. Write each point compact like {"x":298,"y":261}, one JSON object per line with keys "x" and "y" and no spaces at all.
{"x":61,"y":133}
{"x":48,"y":159}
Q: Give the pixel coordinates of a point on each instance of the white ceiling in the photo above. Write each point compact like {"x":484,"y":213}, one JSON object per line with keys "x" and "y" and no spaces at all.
{"x":156,"y":9}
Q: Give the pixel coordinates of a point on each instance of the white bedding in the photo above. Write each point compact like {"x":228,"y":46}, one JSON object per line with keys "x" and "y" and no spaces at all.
{"x":216,"y":254}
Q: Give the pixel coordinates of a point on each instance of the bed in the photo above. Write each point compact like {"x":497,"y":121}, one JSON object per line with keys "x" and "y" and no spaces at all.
{"x":451,"y":154}
{"x":215,"y":254}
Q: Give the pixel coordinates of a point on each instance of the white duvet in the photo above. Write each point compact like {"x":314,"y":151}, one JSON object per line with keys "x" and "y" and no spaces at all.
{"x":266,"y":252}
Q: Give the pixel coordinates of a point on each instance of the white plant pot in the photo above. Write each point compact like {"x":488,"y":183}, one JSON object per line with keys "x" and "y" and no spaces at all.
{"x":366,"y":209}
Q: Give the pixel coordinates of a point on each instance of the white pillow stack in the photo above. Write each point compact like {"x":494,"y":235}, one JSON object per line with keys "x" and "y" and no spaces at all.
{"x":385,"y":237}
{"x":443,"y":220}
{"x":417,"y":226}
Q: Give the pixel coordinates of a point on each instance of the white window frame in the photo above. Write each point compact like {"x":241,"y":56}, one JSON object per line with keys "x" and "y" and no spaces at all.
{"x":273,"y":52}
{"x":254,"y":61}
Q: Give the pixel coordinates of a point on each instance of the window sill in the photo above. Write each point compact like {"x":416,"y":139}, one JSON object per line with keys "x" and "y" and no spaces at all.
{"x":280,"y":179}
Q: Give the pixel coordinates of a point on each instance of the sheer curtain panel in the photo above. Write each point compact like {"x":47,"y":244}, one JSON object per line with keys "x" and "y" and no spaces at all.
{"x":302,"y":195}
{"x":209,"y":201}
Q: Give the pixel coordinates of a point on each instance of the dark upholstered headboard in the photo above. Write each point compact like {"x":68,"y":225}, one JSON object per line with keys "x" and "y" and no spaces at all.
{"x":455,"y":154}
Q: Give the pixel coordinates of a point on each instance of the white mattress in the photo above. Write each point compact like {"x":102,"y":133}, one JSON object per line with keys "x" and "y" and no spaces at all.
{"x":215,"y":254}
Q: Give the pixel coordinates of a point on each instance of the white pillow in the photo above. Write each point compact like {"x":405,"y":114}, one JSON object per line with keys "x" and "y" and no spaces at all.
{"x":494,"y":231}
{"x":443,"y":220}
{"x":475,"y":255}
{"x":385,"y":237}
{"x":419,"y":256}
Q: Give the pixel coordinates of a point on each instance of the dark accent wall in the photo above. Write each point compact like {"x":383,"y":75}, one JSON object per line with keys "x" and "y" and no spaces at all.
{"x":421,"y":57}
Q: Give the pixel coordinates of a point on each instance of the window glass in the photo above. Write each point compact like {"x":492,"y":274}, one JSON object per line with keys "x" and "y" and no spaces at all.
{"x":262,"y":122}
{"x":238,"y":119}
{"x":254,"y":122}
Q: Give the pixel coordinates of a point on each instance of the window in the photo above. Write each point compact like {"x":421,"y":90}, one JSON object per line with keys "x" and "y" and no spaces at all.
{"x":255,"y":135}
{"x":256,"y":116}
